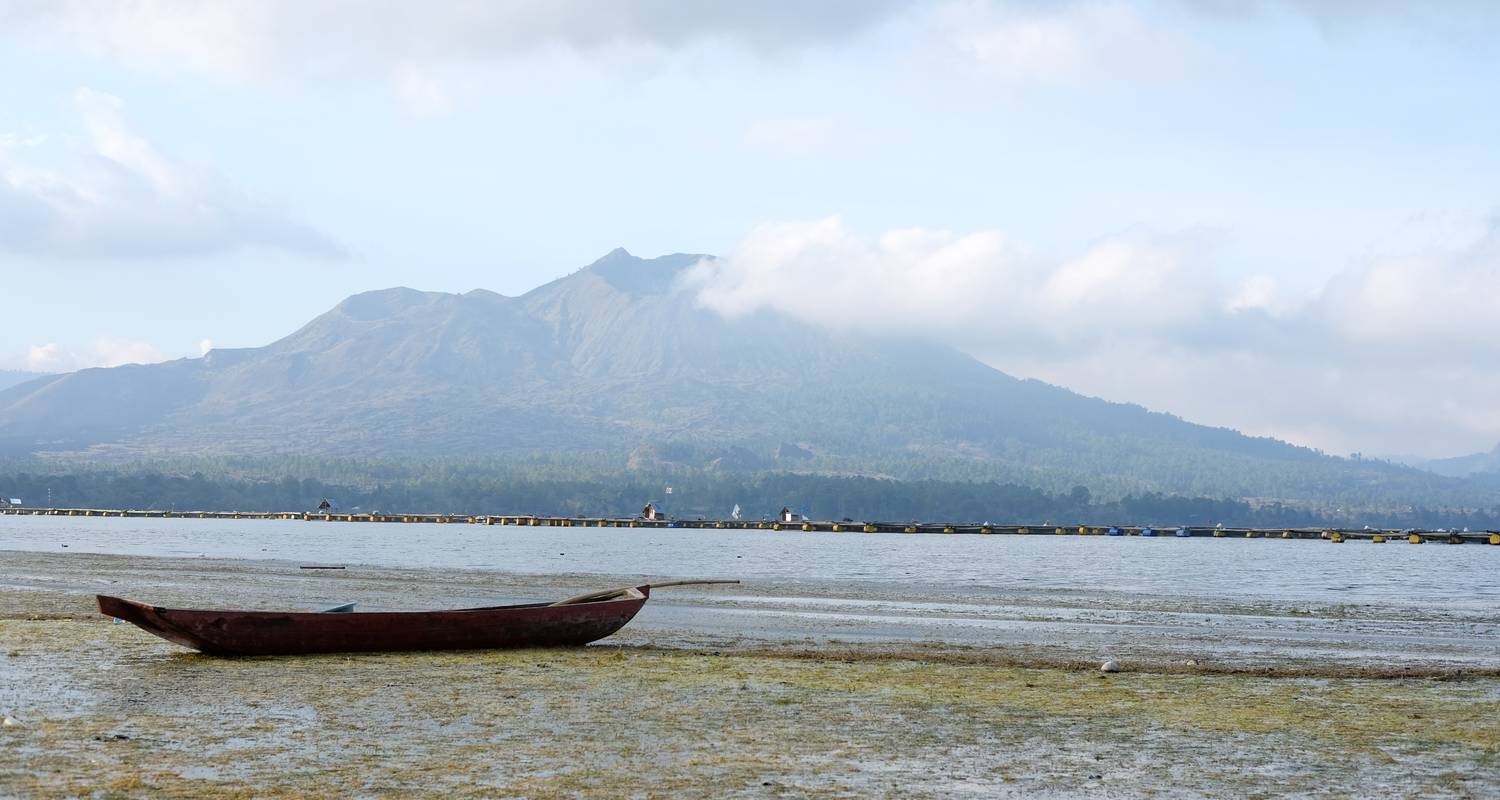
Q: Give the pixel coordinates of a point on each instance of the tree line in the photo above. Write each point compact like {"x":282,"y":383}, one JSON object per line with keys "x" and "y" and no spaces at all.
{"x":707,"y":494}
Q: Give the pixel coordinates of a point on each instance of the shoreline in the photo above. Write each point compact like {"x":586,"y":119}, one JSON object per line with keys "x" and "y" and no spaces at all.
{"x":691,"y":699}
{"x":811,"y":620}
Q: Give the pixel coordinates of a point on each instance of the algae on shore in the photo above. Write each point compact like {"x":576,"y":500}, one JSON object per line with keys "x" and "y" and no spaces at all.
{"x":741,"y":702}
{"x":1021,"y":627}
{"x":106,"y":711}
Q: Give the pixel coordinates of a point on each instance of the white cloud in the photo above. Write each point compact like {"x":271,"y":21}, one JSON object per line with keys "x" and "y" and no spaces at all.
{"x":219,"y":37}
{"x":114,"y":352}
{"x":43,"y":357}
{"x":798,"y":137}
{"x":1453,"y":20}
{"x":1148,"y":279}
{"x":249,"y":40}
{"x":121,"y":197}
{"x":1255,"y":292}
{"x":390,"y":42}
{"x":420,"y":92}
{"x":979,"y":284}
{"x":1015,"y":43}
{"x":1011,"y":41}
{"x":1395,"y":355}
{"x":205,"y":345}
{"x":102,"y":352}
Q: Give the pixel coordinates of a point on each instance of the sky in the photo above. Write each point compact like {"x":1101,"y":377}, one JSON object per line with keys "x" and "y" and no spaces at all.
{"x":1281,"y":217}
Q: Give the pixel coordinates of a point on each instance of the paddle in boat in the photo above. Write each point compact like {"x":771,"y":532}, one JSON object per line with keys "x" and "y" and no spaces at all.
{"x":571,"y":622}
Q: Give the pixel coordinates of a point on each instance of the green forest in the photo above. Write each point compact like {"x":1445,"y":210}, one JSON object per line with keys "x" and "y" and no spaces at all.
{"x":545,"y":488}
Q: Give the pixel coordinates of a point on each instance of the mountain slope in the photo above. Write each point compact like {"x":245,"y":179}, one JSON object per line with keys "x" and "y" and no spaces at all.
{"x":10,"y":377}
{"x":614,"y":359}
{"x":1486,"y":463}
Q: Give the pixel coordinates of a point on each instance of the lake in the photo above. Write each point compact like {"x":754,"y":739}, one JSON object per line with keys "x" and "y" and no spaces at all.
{"x":1463,"y":577}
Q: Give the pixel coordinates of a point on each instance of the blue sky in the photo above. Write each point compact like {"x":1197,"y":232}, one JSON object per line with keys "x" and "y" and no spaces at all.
{"x":1277,"y":216}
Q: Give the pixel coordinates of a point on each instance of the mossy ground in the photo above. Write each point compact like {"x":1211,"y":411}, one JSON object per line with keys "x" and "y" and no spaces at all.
{"x":107,"y":711}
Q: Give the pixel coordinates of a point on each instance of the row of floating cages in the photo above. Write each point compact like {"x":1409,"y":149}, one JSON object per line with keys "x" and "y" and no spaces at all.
{"x":1378,"y":536}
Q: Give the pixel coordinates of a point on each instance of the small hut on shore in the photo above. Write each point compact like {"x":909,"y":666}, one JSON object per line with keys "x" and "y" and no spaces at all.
{"x":650,"y":512}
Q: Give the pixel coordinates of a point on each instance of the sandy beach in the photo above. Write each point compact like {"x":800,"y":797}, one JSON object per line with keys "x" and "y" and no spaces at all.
{"x":680,"y":704}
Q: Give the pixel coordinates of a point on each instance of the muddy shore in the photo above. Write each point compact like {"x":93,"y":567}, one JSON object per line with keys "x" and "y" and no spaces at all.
{"x":690,"y":701}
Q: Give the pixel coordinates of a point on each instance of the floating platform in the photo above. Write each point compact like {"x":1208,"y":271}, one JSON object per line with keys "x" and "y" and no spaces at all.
{"x":1334,"y":535}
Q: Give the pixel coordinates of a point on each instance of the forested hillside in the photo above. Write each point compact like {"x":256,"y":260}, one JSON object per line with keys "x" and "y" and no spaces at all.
{"x":709,"y":495}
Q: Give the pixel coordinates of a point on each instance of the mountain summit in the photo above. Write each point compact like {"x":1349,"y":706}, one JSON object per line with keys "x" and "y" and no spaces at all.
{"x":617,"y":358}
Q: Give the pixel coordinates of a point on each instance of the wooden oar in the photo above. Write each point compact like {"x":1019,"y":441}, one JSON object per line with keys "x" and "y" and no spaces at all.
{"x":608,"y":593}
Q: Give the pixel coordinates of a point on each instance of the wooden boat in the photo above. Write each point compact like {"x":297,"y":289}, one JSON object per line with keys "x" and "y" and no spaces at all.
{"x":571,"y":622}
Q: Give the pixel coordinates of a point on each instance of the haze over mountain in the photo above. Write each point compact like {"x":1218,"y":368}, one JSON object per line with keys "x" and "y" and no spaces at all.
{"x":11,"y":377}
{"x":1484,"y":463}
{"x":617,"y":360}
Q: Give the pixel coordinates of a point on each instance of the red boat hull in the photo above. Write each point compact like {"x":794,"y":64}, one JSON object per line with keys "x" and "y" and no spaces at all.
{"x":262,"y":633}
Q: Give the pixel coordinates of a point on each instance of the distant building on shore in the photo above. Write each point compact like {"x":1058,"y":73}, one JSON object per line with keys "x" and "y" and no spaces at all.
{"x":650,"y":512}
{"x":12,"y":502}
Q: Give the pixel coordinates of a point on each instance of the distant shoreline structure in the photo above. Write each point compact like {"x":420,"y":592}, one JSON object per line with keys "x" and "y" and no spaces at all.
{"x":1334,"y":535}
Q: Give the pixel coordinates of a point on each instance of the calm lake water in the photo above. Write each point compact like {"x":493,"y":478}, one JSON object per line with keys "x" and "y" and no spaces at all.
{"x":1455,"y":577}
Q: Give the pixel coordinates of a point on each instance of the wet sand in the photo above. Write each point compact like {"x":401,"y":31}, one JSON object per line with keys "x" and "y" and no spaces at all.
{"x":1150,"y":632}
{"x":741,"y":691}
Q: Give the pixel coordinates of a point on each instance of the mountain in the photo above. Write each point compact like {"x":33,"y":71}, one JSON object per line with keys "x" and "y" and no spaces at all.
{"x":11,"y":377}
{"x":617,"y":362}
{"x":1486,"y":463}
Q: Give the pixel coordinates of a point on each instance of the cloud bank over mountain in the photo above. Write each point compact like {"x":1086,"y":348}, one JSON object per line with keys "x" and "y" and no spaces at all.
{"x":1150,"y":318}
{"x":103,"y":352}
